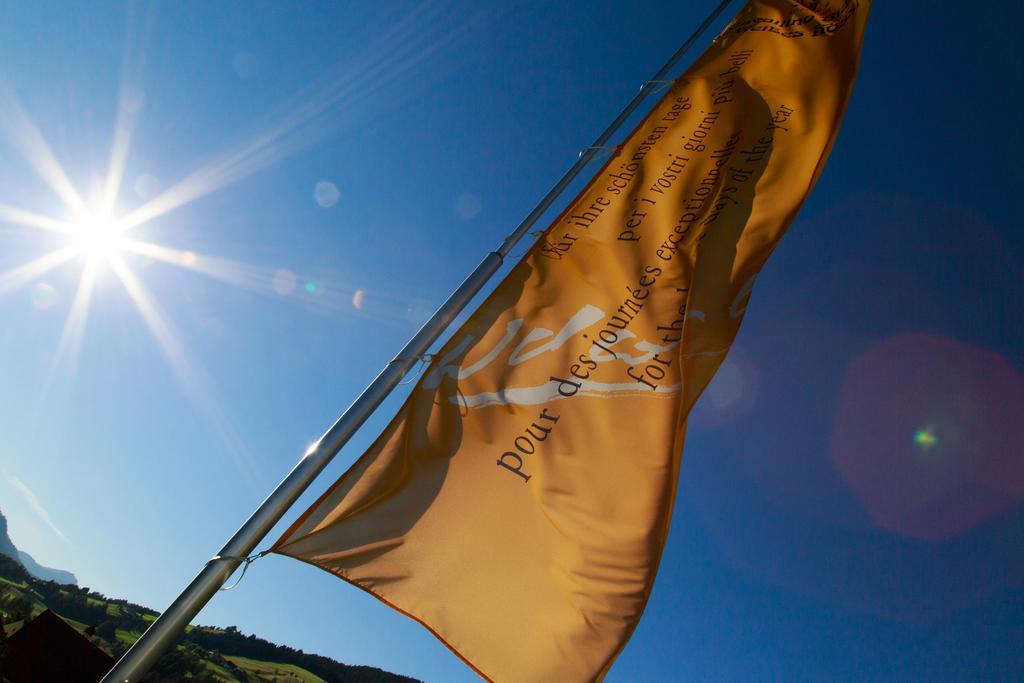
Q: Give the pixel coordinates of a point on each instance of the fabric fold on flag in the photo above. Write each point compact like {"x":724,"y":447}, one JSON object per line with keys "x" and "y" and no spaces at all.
{"x":518,"y":504}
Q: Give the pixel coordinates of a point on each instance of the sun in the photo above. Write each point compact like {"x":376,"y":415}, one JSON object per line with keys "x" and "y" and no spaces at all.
{"x":98,"y":236}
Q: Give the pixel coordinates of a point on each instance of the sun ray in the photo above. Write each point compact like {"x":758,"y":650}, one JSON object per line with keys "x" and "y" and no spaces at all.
{"x":395,"y":54}
{"x":190,"y":377}
{"x":22,"y":132}
{"x":36,"y":506}
{"x":323,"y":292}
{"x":74,"y":327}
{"x":121,"y":145}
{"x":129,"y":104}
{"x":29,"y":219}
{"x":24,"y":274}
{"x":257,"y":279}
{"x":229,"y":271}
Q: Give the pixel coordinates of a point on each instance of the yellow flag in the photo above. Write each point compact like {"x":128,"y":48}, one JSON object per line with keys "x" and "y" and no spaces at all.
{"x":518,"y":503}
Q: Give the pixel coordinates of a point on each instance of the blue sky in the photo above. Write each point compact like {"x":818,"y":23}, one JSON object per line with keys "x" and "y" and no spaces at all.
{"x":851,"y":491}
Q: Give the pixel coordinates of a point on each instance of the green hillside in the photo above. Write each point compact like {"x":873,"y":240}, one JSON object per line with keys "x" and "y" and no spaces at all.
{"x":204,"y":654}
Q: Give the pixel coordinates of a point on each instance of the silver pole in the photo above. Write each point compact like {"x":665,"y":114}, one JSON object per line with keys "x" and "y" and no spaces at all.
{"x":163,"y":633}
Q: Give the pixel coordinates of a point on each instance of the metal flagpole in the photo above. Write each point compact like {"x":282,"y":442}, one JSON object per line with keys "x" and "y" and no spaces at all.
{"x":162,"y":634}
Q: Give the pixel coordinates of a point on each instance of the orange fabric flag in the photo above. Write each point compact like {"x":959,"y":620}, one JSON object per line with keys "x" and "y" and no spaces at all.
{"x":518,"y":503}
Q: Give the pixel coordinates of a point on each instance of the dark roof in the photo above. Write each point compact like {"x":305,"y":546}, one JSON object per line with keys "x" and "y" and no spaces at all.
{"x":50,"y":649}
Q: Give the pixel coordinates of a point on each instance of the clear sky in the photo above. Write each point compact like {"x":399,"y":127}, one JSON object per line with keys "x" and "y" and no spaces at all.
{"x":852,"y":485}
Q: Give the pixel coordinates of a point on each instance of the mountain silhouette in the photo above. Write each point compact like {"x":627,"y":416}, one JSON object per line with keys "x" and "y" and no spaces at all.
{"x":37,"y":570}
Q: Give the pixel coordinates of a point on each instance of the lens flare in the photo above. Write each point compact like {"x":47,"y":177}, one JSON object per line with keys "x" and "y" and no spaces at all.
{"x":731,"y":393}
{"x":283,"y":282}
{"x":925,"y":438}
{"x":44,"y":296}
{"x":969,"y":400}
{"x":326,"y":194}
{"x":467,"y":206}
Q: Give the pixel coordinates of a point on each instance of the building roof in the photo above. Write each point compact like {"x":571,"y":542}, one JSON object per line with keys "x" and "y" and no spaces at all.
{"x":50,"y":649}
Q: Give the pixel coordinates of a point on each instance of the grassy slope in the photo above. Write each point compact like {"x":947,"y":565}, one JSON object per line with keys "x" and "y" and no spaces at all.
{"x":228,"y":669}
{"x":271,"y":671}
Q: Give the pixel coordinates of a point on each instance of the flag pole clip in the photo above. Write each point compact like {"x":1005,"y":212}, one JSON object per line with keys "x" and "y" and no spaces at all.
{"x":424,"y":360}
{"x":656,"y":86}
{"x":532,"y":233}
{"x":599,"y":151}
{"x":246,"y":561}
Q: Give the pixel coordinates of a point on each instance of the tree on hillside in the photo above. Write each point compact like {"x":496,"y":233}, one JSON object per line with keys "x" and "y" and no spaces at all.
{"x":107,"y":630}
{"x":17,"y":608}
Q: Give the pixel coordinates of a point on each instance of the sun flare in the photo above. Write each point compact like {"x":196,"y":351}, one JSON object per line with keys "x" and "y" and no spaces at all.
{"x":89,"y":229}
{"x":98,"y":236}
